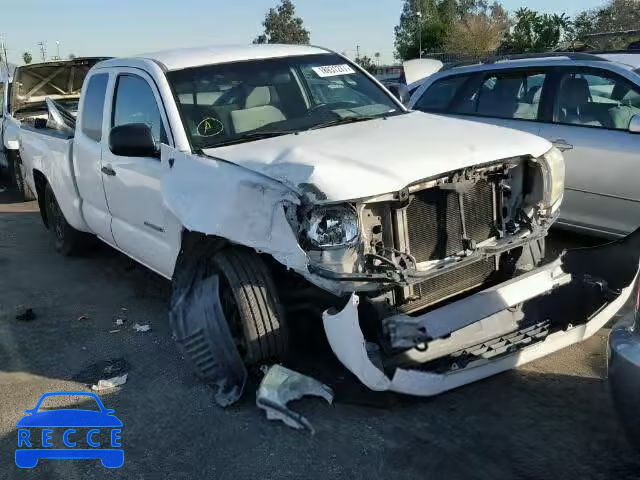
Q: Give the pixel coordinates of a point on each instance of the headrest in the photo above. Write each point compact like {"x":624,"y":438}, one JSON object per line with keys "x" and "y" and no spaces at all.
{"x":574,"y":92}
{"x":259,"y":97}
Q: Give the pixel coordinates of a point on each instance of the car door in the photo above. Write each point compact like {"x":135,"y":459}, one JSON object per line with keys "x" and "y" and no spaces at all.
{"x":133,"y":184}
{"x":592,"y":110}
{"x":508,"y":98}
{"x":87,"y":155}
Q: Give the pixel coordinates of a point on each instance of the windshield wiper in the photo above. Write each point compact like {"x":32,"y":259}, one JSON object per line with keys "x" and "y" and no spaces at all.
{"x":346,"y":120}
{"x":250,"y":136}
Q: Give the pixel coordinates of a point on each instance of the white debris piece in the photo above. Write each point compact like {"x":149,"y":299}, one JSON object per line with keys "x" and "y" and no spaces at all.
{"x":141,"y":328}
{"x":119,"y":322}
{"x":280,"y":386}
{"x":110,"y":383}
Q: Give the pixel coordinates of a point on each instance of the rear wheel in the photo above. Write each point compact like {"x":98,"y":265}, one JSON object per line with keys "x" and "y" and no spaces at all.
{"x":65,"y":237}
{"x":251,"y":305}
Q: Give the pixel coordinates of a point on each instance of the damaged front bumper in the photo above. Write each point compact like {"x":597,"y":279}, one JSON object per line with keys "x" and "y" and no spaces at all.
{"x":494,"y":330}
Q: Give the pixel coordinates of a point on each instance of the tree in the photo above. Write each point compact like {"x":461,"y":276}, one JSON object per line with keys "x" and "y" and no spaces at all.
{"x":480,"y":29}
{"x":366,"y":63}
{"x":26,"y":57}
{"x":377,"y":56}
{"x":72,"y":56}
{"x":533,"y":32}
{"x":618,"y":15}
{"x":420,"y":18}
{"x":282,"y":26}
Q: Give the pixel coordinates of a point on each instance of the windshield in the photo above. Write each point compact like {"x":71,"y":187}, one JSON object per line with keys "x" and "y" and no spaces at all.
{"x":243,"y":101}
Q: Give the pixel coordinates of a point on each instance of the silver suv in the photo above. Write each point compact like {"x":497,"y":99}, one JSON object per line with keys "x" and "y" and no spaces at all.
{"x":587,"y":105}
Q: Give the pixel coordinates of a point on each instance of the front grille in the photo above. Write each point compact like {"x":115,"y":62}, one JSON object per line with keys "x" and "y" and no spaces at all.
{"x":434,"y":220}
{"x":449,"y":284}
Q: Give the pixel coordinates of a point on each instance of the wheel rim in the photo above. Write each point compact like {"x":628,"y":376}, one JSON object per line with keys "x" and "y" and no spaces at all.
{"x":56,"y":218}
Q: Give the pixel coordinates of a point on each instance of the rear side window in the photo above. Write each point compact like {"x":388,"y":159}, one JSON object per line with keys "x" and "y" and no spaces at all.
{"x":438,"y":96}
{"x":93,"y":108}
{"x":511,"y":95}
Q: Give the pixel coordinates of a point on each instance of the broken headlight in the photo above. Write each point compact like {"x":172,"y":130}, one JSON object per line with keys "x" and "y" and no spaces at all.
{"x":552,"y":164}
{"x":332,"y":226}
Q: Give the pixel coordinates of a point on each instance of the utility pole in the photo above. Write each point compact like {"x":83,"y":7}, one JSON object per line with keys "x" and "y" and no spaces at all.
{"x":419,"y":15}
{"x":357,"y":51}
{"x":3,"y":46}
{"x":57,"y":50}
{"x":43,"y":50}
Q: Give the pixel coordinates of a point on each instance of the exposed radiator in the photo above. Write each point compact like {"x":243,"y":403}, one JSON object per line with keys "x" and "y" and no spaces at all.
{"x":434,"y":220}
{"x":448,"y":284}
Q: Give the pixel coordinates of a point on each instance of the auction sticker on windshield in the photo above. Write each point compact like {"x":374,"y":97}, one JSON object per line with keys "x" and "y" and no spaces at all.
{"x":70,"y":433}
{"x":333,"y":70}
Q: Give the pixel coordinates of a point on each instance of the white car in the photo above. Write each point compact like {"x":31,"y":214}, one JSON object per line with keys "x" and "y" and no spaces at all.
{"x":587,"y":105}
{"x":280,"y":184}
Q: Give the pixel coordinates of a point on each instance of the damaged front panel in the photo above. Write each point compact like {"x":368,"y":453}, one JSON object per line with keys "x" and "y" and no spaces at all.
{"x":554,"y":307}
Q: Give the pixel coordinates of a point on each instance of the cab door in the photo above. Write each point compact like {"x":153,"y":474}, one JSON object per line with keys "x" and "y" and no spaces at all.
{"x":87,"y":155}
{"x":141,"y":225}
{"x":592,"y":110}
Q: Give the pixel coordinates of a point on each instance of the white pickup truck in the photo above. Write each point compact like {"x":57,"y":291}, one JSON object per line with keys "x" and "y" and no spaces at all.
{"x":276,"y":185}
{"x":23,"y":101}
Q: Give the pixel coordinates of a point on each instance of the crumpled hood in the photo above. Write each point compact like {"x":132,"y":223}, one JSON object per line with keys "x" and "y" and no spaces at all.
{"x":371,"y":158}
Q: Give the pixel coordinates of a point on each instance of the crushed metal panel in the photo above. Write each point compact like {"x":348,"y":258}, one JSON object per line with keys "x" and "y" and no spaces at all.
{"x":281,"y":386}
{"x":215,"y":197}
{"x":203,"y":334}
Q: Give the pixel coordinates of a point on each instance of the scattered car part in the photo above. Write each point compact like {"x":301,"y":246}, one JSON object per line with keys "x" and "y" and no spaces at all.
{"x":110,"y":383}
{"x":280,"y":386}
{"x":25,"y":314}
{"x":141,"y":328}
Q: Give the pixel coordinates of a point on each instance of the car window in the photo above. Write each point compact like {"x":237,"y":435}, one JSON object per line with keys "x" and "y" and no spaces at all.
{"x":236,"y":102}
{"x":93,"y":109}
{"x":135,"y":103}
{"x":512,"y":95}
{"x":594,"y":100}
{"x":438,"y":96}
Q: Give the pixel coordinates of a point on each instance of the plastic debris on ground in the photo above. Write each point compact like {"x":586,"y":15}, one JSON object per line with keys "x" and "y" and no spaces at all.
{"x":24,"y":314}
{"x":110,"y":383}
{"x":83,"y":317}
{"x":141,"y":328}
{"x":280,"y":386}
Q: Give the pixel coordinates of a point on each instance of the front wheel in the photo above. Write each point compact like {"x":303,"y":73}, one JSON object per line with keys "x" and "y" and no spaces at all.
{"x":65,"y":237}
{"x":251,"y":305}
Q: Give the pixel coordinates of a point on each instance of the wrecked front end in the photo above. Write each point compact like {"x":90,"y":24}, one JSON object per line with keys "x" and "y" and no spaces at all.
{"x":444,"y":277}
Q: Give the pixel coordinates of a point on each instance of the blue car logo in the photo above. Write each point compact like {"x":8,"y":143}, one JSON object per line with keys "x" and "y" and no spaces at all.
{"x":99,"y":431}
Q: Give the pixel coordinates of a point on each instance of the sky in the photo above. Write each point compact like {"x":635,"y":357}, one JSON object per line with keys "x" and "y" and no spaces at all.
{"x":127,"y":27}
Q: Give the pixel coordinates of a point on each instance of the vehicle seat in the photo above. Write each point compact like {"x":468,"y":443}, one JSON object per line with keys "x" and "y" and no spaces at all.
{"x":258,"y":111}
{"x":502,"y":101}
{"x":576,"y":100}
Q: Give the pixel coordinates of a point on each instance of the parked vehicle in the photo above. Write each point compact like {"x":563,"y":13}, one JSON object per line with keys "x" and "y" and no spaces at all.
{"x":624,"y":371}
{"x":587,"y":105}
{"x":268,"y":201}
{"x":24,"y":102}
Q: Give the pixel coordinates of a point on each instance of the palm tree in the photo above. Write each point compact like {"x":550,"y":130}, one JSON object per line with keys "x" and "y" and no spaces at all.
{"x":26,"y":57}
{"x":377,"y":55}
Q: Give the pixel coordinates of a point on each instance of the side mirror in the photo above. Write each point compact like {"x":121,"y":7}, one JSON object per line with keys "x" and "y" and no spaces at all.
{"x":400,"y":91}
{"x":132,"y":140}
{"x":634,"y":125}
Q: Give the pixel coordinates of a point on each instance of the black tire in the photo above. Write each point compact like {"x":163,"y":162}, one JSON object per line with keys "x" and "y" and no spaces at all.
{"x":65,"y":238}
{"x":18,"y":178}
{"x":251,"y":304}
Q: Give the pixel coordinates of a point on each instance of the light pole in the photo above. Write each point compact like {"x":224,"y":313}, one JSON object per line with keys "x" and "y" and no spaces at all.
{"x":419,"y":16}
{"x":58,"y":48}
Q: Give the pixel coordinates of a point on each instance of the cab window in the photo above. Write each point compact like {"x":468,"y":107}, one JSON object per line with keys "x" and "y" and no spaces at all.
{"x":596,"y":100}
{"x":439,"y":96}
{"x":510,"y":95}
{"x":93,"y":107}
{"x":135,"y":103}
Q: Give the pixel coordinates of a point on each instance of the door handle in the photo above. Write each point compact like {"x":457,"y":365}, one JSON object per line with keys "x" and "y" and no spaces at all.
{"x":107,"y":170}
{"x":562,"y":145}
